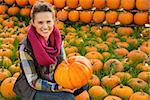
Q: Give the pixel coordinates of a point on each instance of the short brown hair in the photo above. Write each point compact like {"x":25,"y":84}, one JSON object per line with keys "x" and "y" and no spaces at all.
{"x":41,"y":6}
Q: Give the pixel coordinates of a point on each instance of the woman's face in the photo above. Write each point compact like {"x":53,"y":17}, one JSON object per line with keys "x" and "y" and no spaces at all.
{"x":44,"y":22}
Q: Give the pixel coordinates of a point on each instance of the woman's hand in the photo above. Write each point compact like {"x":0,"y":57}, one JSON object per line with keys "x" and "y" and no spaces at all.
{"x":60,"y":88}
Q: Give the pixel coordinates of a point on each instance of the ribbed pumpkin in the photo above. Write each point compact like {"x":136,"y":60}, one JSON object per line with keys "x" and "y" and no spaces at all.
{"x":141,"y":18}
{"x":62,"y":15}
{"x":22,"y":2}
{"x":86,"y":4}
{"x":74,"y":74}
{"x":13,"y":10}
{"x":3,"y":9}
{"x":99,"y":4}
{"x":115,"y":64}
{"x":97,"y":91}
{"x":72,"y":3}
{"x":113,"y":4}
{"x":127,"y":4}
{"x":83,"y":96}
{"x":98,"y":16}
{"x":86,"y":16}
{"x":125,"y":18}
{"x":7,"y":87}
{"x":25,"y":11}
{"x":111,"y":17}
{"x":9,"y":2}
{"x":110,"y":97}
{"x":122,"y":91}
{"x":73,"y":16}
{"x":125,"y":31}
{"x":142,"y":4}
{"x":59,"y":3}
{"x":139,"y":96}
{"x":32,"y":2}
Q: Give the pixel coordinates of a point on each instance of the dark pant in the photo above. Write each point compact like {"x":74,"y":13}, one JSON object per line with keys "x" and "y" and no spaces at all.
{"x":58,"y":95}
{"x":53,"y":96}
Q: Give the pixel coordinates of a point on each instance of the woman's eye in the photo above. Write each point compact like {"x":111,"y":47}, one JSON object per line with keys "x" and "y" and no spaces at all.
{"x":48,"y":21}
{"x":40,"y":22}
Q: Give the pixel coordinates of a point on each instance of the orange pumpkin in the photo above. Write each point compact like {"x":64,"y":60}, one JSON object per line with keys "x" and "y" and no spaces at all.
{"x":86,"y":16}
{"x":59,"y":3}
{"x":97,"y":91}
{"x":25,"y":12}
{"x":87,"y":4}
{"x":114,"y":63}
{"x":141,"y":18}
{"x":62,"y":15}
{"x":121,"y":51}
{"x":142,"y":4}
{"x":125,"y":18}
{"x":98,"y":16}
{"x":9,"y":2}
{"x":99,"y":4}
{"x":111,"y":17}
{"x":94,"y":81}
{"x":113,"y":4}
{"x":83,"y":96}
{"x":125,"y":31}
{"x":122,"y":91}
{"x":139,"y":96}
{"x":110,"y":81}
{"x":22,"y":2}
{"x":4,"y":73}
{"x":73,"y":16}
{"x":123,"y":75}
{"x":73,"y":74}
{"x":96,"y":64}
{"x":72,"y":3}
{"x":127,"y":4}
{"x":3,"y":9}
{"x":137,"y":83}
{"x":112,"y":98}
{"x":32,"y":2}
{"x":137,"y":56}
{"x":144,"y":76}
{"x":94,"y":55}
{"x":7,"y":87}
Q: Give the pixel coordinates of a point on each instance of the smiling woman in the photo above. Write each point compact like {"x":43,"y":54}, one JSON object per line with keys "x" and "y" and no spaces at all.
{"x":40,"y":53}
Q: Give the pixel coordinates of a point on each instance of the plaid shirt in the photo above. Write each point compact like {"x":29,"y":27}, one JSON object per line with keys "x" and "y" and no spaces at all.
{"x":29,"y":70}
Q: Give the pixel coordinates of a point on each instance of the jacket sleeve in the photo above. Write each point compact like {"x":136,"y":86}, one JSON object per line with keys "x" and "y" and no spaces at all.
{"x":28,"y":68}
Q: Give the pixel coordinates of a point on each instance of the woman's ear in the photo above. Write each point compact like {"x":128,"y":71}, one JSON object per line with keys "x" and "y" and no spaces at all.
{"x":32,"y":22}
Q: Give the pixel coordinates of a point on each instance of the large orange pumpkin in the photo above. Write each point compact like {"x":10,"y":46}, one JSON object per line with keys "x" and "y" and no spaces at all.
{"x":7,"y":87}
{"x":73,"y":74}
{"x":9,"y":2}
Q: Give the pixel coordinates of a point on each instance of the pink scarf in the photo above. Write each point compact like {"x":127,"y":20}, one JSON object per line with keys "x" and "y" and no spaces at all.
{"x":45,"y":53}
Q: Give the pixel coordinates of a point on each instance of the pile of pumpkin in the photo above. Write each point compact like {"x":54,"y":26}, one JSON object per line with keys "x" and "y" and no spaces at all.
{"x":119,"y":56}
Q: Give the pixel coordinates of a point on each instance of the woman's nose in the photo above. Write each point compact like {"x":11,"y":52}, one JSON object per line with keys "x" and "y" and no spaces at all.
{"x":45,"y":26}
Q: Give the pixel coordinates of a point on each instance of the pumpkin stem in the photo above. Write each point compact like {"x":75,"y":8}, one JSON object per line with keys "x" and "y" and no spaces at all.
{"x":142,"y":92}
{"x":121,"y":85}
